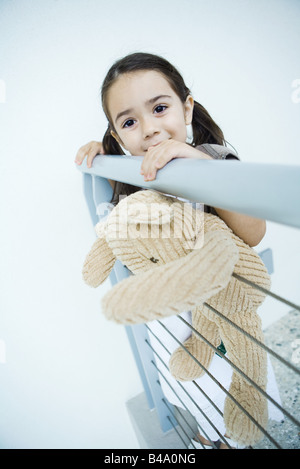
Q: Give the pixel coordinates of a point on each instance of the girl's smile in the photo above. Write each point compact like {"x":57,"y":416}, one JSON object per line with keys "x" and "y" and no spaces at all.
{"x":145,"y":111}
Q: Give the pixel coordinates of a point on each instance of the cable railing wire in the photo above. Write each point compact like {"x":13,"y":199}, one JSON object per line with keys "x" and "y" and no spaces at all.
{"x":290,"y":416}
{"x":174,"y":427}
{"x":185,"y":420}
{"x":178,"y":397}
{"x":274,"y":295}
{"x":223,"y":389}
{"x":267,"y":349}
{"x":263,"y":430}
{"x":261,"y":344}
{"x":165,"y":365}
{"x":203,"y":413}
{"x":179,"y":424}
{"x":216,"y":381}
{"x":267,"y":292}
{"x":197,"y":385}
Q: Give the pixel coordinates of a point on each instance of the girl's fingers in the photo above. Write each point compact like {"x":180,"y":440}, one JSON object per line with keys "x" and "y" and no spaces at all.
{"x":158,"y":156}
{"x":90,"y":150}
{"x":150,"y":176}
{"x":155,"y":165}
{"x":91,"y":155}
{"x":152,"y":161}
{"x":89,"y":160}
{"x":150,"y":171}
{"x":80,"y":155}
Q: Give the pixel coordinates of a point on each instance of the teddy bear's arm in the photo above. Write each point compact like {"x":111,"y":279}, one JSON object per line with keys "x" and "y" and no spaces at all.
{"x":98,"y":263}
{"x":176,"y":286}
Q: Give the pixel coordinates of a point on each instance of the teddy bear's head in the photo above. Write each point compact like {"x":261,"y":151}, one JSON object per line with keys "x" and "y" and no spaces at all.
{"x":144,"y":231}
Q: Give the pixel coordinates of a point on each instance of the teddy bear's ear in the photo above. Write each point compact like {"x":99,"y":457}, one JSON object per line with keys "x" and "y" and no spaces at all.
{"x":149,"y":213}
{"x":99,"y":261}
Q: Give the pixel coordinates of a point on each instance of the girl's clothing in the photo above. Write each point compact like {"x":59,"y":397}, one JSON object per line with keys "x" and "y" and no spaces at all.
{"x":218,"y":152}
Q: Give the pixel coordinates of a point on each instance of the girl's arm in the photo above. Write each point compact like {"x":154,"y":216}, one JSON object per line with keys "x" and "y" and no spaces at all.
{"x":249,"y":229}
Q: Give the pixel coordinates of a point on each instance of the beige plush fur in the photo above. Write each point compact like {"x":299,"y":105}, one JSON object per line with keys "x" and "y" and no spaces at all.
{"x":182,"y":258}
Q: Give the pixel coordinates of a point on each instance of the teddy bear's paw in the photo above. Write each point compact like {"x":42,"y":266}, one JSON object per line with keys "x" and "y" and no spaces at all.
{"x":191,"y":362}
{"x":98,"y":263}
{"x":239,"y":426}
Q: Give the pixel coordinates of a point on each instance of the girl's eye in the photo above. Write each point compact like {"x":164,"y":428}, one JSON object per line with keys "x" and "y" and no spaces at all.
{"x":128,"y":123}
{"x":160,"y":108}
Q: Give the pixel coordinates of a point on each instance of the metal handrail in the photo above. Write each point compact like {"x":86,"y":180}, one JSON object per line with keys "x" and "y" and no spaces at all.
{"x":249,"y":187}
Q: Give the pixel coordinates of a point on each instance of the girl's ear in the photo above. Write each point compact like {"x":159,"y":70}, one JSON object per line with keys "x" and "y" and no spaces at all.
{"x":188,"y":109}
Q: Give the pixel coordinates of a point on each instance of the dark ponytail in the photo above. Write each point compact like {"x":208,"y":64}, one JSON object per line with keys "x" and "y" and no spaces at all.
{"x":111,"y":147}
{"x":205,"y":130}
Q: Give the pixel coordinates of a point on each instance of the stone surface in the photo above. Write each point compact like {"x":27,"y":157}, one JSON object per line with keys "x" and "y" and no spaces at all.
{"x":283,"y":337}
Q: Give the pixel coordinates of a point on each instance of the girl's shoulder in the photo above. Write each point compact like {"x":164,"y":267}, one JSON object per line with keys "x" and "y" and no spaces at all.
{"x":218,"y":152}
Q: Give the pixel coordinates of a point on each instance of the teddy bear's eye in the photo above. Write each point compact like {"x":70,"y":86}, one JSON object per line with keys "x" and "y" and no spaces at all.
{"x":152,"y":259}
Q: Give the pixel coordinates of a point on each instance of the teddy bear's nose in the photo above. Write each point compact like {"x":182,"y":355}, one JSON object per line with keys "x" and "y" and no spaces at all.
{"x":152,"y":259}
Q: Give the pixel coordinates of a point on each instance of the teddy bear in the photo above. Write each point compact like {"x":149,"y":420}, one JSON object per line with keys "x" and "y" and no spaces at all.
{"x":182,"y":258}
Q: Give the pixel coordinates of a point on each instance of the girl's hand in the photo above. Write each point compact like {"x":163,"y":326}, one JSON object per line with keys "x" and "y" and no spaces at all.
{"x":250,"y":229}
{"x":90,"y":150}
{"x":159,"y":155}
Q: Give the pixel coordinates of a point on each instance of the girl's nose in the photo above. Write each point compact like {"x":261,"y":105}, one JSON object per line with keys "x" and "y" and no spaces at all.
{"x":150,"y":127}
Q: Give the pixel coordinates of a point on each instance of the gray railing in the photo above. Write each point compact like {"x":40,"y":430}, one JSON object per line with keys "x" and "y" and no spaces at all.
{"x":268,"y":191}
{"x":271,"y":192}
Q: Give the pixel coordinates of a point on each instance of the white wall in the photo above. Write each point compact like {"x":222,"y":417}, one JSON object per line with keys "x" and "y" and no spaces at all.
{"x":66,"y":372}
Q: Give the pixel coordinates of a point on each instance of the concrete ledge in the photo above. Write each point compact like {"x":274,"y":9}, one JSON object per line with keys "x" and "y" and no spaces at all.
{"x":148,"y":431}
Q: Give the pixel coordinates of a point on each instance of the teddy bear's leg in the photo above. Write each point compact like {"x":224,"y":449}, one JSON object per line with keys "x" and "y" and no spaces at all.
{"x":250,"y":358}
{"x":182,"y":365}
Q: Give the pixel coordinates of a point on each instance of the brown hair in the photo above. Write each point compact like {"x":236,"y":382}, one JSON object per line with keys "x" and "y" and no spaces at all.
{"x":205,"y":130}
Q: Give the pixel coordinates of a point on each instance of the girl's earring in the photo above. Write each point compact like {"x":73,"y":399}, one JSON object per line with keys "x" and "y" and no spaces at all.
{"x":189,"y":133}
{"x":127,"y":153}
{"x":114,"y":135}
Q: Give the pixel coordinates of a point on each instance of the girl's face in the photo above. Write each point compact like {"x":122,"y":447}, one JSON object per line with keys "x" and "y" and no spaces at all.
{"x":145,"y":111}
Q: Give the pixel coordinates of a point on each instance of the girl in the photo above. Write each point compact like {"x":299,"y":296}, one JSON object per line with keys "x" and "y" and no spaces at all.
{"x":149,"y":109}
